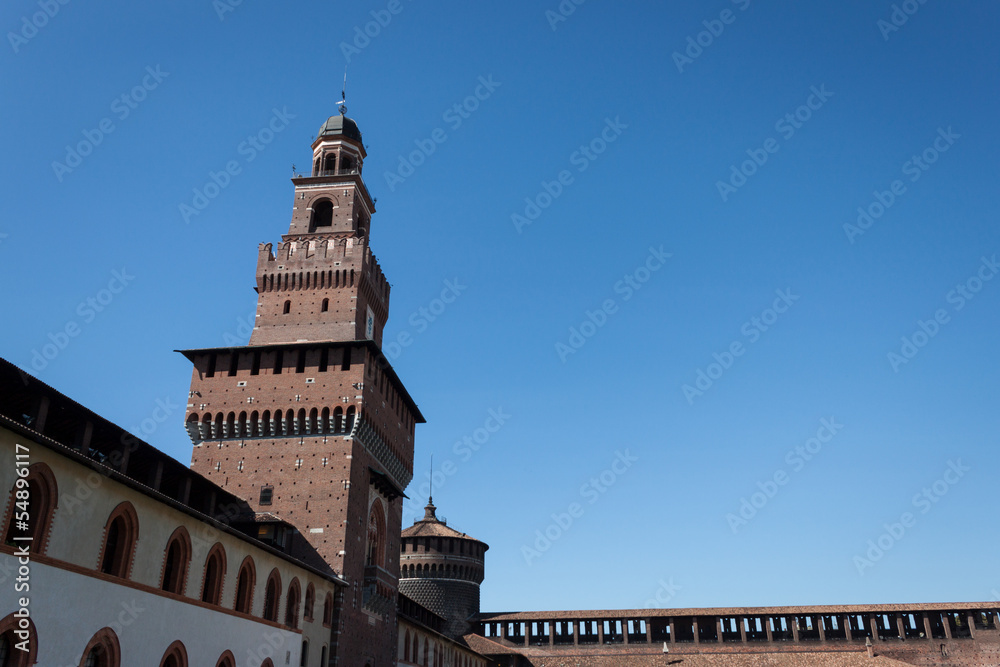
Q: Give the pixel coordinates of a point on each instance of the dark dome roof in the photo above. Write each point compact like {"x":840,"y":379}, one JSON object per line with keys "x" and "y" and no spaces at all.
{"x":340,"y":125}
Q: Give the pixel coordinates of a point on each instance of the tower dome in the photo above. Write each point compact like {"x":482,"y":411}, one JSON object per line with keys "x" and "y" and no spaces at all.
{"x":340,"y":125}
{"x":441,"y":568}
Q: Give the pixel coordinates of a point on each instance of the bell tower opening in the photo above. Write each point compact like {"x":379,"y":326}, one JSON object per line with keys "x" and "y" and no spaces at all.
{"x":322,"y":215}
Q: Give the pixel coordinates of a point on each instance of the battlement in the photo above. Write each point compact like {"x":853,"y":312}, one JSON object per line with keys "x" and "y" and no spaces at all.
{"x":321,"y":263}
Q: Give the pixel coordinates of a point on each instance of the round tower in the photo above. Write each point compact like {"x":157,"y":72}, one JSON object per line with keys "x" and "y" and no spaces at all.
{"x":441,"y":569}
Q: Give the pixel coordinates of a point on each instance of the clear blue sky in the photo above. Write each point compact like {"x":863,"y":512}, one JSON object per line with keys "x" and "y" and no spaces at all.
{"x":678,"y":127}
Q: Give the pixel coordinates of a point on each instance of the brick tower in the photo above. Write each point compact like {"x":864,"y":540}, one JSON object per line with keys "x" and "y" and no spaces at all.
{"x":308,"y":422}
{"x":441,"y":569}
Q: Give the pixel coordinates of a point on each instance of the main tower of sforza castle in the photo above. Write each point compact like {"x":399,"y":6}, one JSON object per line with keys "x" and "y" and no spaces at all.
{"x":308,"y":422}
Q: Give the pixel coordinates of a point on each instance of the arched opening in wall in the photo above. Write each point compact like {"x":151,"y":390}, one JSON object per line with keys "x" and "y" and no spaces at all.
{"x":227,"y":659}
{"x":215,"y":573}
{"x":300,"y":421}
{"x":265,"y":423}
{"x":316,"y":166}
{"x":304,"y":660}
{"x":10,"y":654}
{"x":175,"y":656}
{"x":272,"y":595}
{"x":426,"y":647}
{"x":177,"y":555}
{"x":267,"y":663}
{"x":230,"y":431}
{"x":206,"y":426}
{"x":286,"y":308}
{"x":324,"y":421}
{"x":350,"y":419}
{"x":219,"y":431}
{"x":338,"y":419}
{"x":406,"y":646}
{"x":290,"y":424}
{"x":254,"y":427}
{"x":120,"y":535}
{"x":292,"y":604}
{"x":309,"y":607}
{"x":347,"y":164}
{"x":245,"y":582}
{"x":311,"y":425}
{"x":376,"y":535}
{"x":325,"y":307}
{"x":322,"y":215}
{"x":328,"y":610}
{"x":40,"y":490}
{"x":242,"y":430}
{"x":329,"y":163}
{"x":103,"y":650}
{"x":322,"y":656}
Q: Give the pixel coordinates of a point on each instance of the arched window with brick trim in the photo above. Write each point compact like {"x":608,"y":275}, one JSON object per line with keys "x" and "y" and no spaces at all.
{"x":292,"y":603}
{"x":245,"y":582}
{"x":176,"y":558}
{"x":310,"y":604}
{"x":328,"y":610}
{"x":227,"y":659}
{"x":10,"y":654}
{"x":121,"y":533}
{"x":376,"y":535}
{"x":37,"y":496}
{"x":215,"y":574}
{"x":272,"y":596}
{"x":103,"y":650}
{"x":175,"y":656}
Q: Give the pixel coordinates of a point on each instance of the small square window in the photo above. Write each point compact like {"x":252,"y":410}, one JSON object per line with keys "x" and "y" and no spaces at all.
{"x":266,"y":493}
